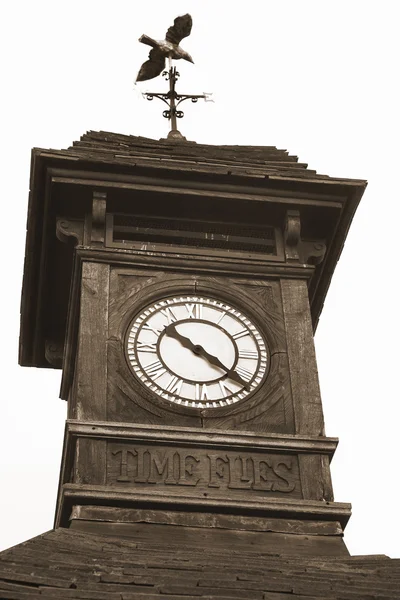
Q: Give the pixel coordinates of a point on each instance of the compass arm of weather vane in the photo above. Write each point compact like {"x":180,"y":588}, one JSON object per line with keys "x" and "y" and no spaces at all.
{"x":171,"y":331}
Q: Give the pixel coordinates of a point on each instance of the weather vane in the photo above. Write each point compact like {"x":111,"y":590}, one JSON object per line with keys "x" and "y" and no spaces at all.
{"x":160,"y":51}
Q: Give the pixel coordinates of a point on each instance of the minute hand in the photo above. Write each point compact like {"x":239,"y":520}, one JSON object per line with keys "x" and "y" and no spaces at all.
{"x":171,"y":331}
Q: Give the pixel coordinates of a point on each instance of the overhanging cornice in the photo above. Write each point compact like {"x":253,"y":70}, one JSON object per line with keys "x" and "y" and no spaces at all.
{"x":235,"y":174}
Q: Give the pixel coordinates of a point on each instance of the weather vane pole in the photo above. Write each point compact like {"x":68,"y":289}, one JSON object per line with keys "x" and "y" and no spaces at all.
{"x":160,"y":51}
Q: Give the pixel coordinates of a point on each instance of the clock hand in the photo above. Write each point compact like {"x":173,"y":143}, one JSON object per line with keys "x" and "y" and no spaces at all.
{"x":171,"y":331}
{"x":232,"y":374}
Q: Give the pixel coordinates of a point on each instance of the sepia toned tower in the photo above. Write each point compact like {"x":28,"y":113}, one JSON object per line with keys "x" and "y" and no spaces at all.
{"x":177,"y":286}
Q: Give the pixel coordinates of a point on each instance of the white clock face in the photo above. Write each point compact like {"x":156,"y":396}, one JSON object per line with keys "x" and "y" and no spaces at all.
{"x":197,"y":351}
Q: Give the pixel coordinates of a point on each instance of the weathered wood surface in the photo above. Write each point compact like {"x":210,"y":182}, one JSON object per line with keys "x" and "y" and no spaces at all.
{"x":282,"y":507}
{"x":315,"y":477}
{"x":242,"y":177}
{"x":91,"y":371}
{"x":268,"y":410}
{"x":98,"y":221}
{"x":181,"y":262}
{"x":193,"y":463}
{"x":157,"y":563}
{"x":90,"y":462}
{"x":128,"y":400}
{"x":302,"y":360}
{"x":178,"y":434}
{"x":207,"y":520}
{"x":202,"y":472}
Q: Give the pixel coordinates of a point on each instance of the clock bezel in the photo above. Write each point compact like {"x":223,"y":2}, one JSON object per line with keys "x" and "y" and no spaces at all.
{"x":138,"y":368}
{"x":245,"y":304}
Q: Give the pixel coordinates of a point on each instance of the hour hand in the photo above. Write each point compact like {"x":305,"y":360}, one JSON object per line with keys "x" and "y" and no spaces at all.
{"x":171,"y":331}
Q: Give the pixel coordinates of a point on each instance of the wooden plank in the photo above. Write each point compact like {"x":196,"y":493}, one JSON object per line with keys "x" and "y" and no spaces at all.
{"x":71,"y":339}
{"x":206,"y":520}
{"x":200,"y":193}
{"x":177,"y":260}
{"x":302,"y":360}
{"x":91,"y":461}
{"x":212,"y":438}
{"x":191,"y":540}
{"x":291,"y":508}
{"x":315,"y":477}
{"x":219,"y":185}
{"x":92,"y":343}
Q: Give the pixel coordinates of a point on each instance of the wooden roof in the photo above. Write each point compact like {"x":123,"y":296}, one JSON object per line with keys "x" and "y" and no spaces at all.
{"x":64,"y":564}
{"x":261,"y":161}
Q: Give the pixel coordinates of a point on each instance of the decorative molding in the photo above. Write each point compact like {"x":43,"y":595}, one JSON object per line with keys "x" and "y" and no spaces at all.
{"x":206,"y":438}
{"x":313,"y":252}
{"x":217,"y":189}
{"x":54,"y":352}
{"x":203,"y":265}
{"x":310,"y":252}
{"x":69,"y":228}
{"x":73,"y":494}
{"x":98,"y":216}
{"x":292,"y":235}
{"x":205,"y":520}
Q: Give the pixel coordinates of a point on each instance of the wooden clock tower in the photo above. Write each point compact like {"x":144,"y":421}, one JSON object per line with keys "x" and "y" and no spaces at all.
{"x":177,"y":286}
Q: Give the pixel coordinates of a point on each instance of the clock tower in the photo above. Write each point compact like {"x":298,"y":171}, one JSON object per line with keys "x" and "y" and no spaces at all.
{"x":177,"y":286}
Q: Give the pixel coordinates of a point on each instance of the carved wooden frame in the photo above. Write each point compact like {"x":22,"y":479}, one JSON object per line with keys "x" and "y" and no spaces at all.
{"x":270,"y":324}
{"x":82,"y":482}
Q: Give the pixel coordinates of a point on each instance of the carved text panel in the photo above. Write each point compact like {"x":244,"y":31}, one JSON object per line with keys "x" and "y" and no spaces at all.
{"x":207,"y":472}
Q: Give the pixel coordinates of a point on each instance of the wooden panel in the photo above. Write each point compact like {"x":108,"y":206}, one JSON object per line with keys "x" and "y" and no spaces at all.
{"x":258,"y":298}
{"x":216,"y":539}
{"x":206,"y":520}
{"x":315,"y":477}
{"x":302,"y":361}
{"x":208,"y":472}
{"x":91,"y":373}
{"x":269,"y":409}
{"x":90,"y":461}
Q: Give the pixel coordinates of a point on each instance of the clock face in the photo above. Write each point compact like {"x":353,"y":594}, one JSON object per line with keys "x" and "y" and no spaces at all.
{"x":197,"y":351}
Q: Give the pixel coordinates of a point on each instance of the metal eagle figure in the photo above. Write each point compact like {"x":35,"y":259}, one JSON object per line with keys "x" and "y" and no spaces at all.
{"x":161,"y":49}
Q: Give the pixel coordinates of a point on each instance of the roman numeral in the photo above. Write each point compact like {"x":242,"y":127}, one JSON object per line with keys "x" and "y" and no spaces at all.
{"x":221,"y":317}
{"x":145,"y":346}
{"x":201,"y":392}
{"x":244,"y":373}
{"x":195,"y":311}
{"x":240,"y":334}
{"x":248,"y":354}
{"x":225,"y":390}
{"x":167,"y":312}
{"x":155,"y":369}
{"x":174,"y":386}
{"x":148,"y":327}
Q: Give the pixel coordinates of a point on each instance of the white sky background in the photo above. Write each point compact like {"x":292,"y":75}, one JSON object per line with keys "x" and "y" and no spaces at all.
{"x":317,"y":78}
